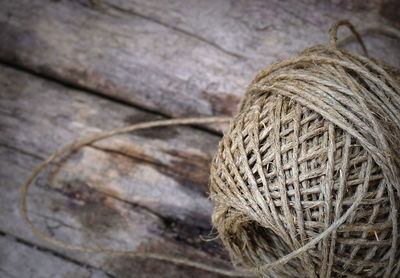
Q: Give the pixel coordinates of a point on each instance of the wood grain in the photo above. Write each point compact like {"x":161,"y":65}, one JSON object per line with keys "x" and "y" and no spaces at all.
{"x":78,"y":67}
{"x":175,"y":57}
{"x":13,"y":251}
{"x":140,"y":191}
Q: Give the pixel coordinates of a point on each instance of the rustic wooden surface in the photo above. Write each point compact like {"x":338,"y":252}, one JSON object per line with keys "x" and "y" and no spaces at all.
{"x":73,"y":68}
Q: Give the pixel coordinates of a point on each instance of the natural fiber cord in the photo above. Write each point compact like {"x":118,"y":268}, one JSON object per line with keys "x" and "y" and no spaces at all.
{"x":89,"y":140}
{"x":306,"y":180}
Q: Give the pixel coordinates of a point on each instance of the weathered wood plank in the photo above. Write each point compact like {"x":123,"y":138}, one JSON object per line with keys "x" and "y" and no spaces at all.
{"x":140,"y":191}
{"x":20,"y":260}
{"x":176,"y":57}
{"x":390,"y":9}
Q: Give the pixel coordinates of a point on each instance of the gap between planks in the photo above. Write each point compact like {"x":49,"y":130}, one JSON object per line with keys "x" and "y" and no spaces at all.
{"x":18,"y":240}
{"x":69,"y":85}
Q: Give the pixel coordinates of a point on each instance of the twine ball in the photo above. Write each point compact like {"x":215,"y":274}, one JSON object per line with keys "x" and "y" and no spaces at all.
{"x":305,"y":182}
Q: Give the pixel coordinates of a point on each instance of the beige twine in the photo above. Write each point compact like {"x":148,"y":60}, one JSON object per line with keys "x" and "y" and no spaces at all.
{"x":306,"y":180}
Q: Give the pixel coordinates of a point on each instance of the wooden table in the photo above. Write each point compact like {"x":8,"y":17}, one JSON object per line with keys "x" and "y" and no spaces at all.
{"x":73,"y":68}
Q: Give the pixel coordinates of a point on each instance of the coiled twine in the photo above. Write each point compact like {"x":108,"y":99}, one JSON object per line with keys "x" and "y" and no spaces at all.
{"x":306,"y":180}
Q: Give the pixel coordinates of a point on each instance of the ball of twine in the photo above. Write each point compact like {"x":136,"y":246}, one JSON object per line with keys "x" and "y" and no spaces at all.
{"x":306,"y":180}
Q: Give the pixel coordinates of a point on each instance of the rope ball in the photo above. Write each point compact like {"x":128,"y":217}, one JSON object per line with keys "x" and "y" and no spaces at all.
{"x":306,"y":180}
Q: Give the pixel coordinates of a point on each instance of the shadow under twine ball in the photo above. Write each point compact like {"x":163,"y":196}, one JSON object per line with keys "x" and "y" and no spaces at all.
{"x":306,"y":180}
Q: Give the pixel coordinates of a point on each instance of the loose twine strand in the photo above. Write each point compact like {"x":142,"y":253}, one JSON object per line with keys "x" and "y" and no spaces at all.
{"x":248,"y":272}
{"x":89,"y":140}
